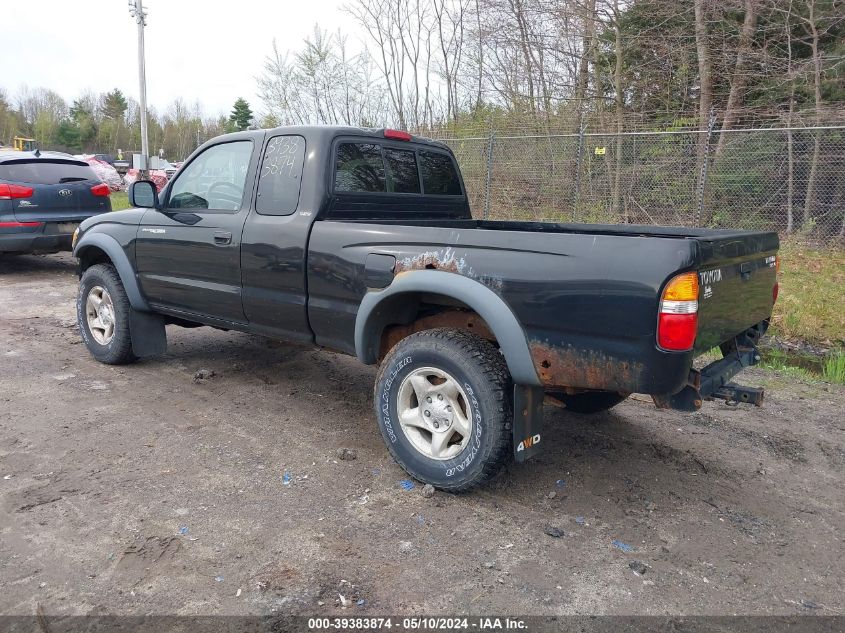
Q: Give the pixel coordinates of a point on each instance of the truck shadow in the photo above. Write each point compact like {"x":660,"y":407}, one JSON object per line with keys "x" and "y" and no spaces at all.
{"x":633,"y":440}
{"x":36,"y":264}
{"x":628,"y":438}
{"x":626,"y":473}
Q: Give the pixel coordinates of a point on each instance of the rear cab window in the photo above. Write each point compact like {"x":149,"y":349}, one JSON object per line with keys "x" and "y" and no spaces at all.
{"x":280,"y":177}
{"x":402,"y":172}
{"x":359,"y":167}
{"x":46,"y":172}
{"x":439,"y":175}
{"x":373,"y":167}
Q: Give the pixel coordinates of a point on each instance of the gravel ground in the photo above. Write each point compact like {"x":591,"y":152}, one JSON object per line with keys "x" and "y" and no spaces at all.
{"x":147,"y":490}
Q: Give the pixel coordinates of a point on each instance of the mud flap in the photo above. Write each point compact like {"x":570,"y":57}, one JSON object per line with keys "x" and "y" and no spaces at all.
{"x":527,"y":421}
{"x":148,"y":334}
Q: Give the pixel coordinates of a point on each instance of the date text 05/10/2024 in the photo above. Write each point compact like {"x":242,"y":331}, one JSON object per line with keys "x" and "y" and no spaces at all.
{"x":418,"y":623}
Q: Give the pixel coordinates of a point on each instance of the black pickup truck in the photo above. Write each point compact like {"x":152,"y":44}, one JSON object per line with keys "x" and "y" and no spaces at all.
{"x":362,"y":241}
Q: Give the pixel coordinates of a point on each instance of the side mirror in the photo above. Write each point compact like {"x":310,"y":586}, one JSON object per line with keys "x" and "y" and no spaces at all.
{"x":142,"y":193}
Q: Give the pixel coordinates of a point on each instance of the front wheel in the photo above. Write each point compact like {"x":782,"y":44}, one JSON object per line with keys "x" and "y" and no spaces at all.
{"x":102,"y":311}
{"x":443,"y":402}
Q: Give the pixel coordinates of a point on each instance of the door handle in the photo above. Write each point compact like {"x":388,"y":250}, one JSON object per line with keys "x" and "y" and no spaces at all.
{"x":222,"y":237}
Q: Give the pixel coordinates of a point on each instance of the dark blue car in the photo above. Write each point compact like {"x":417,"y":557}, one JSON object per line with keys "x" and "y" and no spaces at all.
{"x":43,"y":198}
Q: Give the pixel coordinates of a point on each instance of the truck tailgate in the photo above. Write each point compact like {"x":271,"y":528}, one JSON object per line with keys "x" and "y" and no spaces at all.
{"x":737,"y":276}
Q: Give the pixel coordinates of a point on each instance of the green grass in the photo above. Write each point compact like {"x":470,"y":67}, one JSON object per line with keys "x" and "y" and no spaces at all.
{"x":119,"y":200}
{"x":788,"y":364}
{"x":811,"y":307}
{"x":833,"y":369}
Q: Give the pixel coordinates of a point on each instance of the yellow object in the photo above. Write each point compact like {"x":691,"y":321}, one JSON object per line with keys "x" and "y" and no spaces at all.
{"x":684,"y":287}
{"x":22,"y":144}
{"x":600,"y":151}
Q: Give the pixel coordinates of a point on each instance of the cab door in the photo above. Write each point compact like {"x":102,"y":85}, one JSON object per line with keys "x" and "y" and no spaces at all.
{"x":188,"y":253}
{"x":275,"y":241}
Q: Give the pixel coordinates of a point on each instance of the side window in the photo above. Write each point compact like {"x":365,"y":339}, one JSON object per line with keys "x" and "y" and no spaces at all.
{"x":214,"y":180}
{"x":439,"y":175}
{"x":281,"y":175}
{"x":403,"y":176}
{"x":359,"y":167}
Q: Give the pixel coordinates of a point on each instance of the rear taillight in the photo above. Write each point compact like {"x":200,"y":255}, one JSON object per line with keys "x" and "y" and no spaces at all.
{"x":677,"y":323}
{"x":101,"y":190}
{"x":13,"y":192}
{"x":18,"y":225}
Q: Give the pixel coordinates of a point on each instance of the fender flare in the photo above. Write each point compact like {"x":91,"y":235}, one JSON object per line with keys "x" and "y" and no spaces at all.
{"x":376,"y":311}
{"x":117,"y":255}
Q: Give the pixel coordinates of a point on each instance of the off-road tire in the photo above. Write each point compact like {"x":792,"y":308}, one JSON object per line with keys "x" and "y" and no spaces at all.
{"x":589,"y":402}
{"x":482,"y":373}
{"x":119,"y":349}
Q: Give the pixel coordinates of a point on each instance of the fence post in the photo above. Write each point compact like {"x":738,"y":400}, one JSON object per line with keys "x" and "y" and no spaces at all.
{"x":702,"y":180}
{"x":578,"y":160}
{"x":491,"y":139}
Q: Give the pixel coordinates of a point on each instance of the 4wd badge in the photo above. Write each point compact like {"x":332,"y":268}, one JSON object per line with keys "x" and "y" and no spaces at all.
{"x":528,"y":442}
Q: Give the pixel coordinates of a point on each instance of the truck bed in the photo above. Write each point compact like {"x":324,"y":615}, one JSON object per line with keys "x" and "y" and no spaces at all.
{"x":586,"y":295}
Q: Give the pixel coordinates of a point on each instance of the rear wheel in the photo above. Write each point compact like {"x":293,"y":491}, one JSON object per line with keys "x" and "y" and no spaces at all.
{"x":102,"y":311}
{"x":589,"y":401}
{"x":443,"y":404}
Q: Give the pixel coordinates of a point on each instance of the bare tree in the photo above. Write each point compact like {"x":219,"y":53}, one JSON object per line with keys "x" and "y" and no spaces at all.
{"x":812,"y":28}
{"x":705,"y":81}
{"x":450,"y":16}
{"x":738,"y":79}
{"x":620,"y":104}
{"x":321,"y":83}
{"x":401,"y":31}
{"x":589,"y":26}
{"x":790,"y":143}
{"x":705,"y":76}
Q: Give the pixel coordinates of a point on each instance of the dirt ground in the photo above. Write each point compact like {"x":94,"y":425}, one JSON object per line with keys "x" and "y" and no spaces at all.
{"x":140,"y":490}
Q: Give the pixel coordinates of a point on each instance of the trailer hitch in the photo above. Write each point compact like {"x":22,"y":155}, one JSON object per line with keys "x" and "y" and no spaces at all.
{"x":712,"y":381}
{"x":737,"y":393}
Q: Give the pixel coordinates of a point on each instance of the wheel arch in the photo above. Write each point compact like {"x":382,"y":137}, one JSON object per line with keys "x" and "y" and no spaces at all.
{"x":399,"y":302}
{"x":97,"y":248}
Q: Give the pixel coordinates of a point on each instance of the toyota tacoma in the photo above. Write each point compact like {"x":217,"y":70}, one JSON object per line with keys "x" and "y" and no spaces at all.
{"x":362,"y":241}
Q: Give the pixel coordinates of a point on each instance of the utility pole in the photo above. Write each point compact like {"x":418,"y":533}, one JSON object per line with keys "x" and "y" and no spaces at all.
{"x":136,"y":10}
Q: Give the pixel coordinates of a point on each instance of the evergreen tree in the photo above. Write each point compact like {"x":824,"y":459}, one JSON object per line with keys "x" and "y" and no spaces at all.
{"x":114,"y":105}
{"x":68,"y":136}
{"x":83,"y":119}
{"x":241,"y":116}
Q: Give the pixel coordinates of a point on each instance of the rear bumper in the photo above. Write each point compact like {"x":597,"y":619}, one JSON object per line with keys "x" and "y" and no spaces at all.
{"x":35,"y":242}
{"x":712,"y":381}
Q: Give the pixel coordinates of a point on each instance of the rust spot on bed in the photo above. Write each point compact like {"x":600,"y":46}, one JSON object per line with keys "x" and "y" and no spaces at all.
{"x":583,"y":369}
{"x":445,"y":260}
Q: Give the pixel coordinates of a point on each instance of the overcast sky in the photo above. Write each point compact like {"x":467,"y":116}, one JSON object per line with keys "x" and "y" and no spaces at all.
{"x":208,"y":50}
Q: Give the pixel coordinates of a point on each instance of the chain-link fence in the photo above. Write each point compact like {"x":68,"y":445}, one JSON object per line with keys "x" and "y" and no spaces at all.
{"x":788,"y":179}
